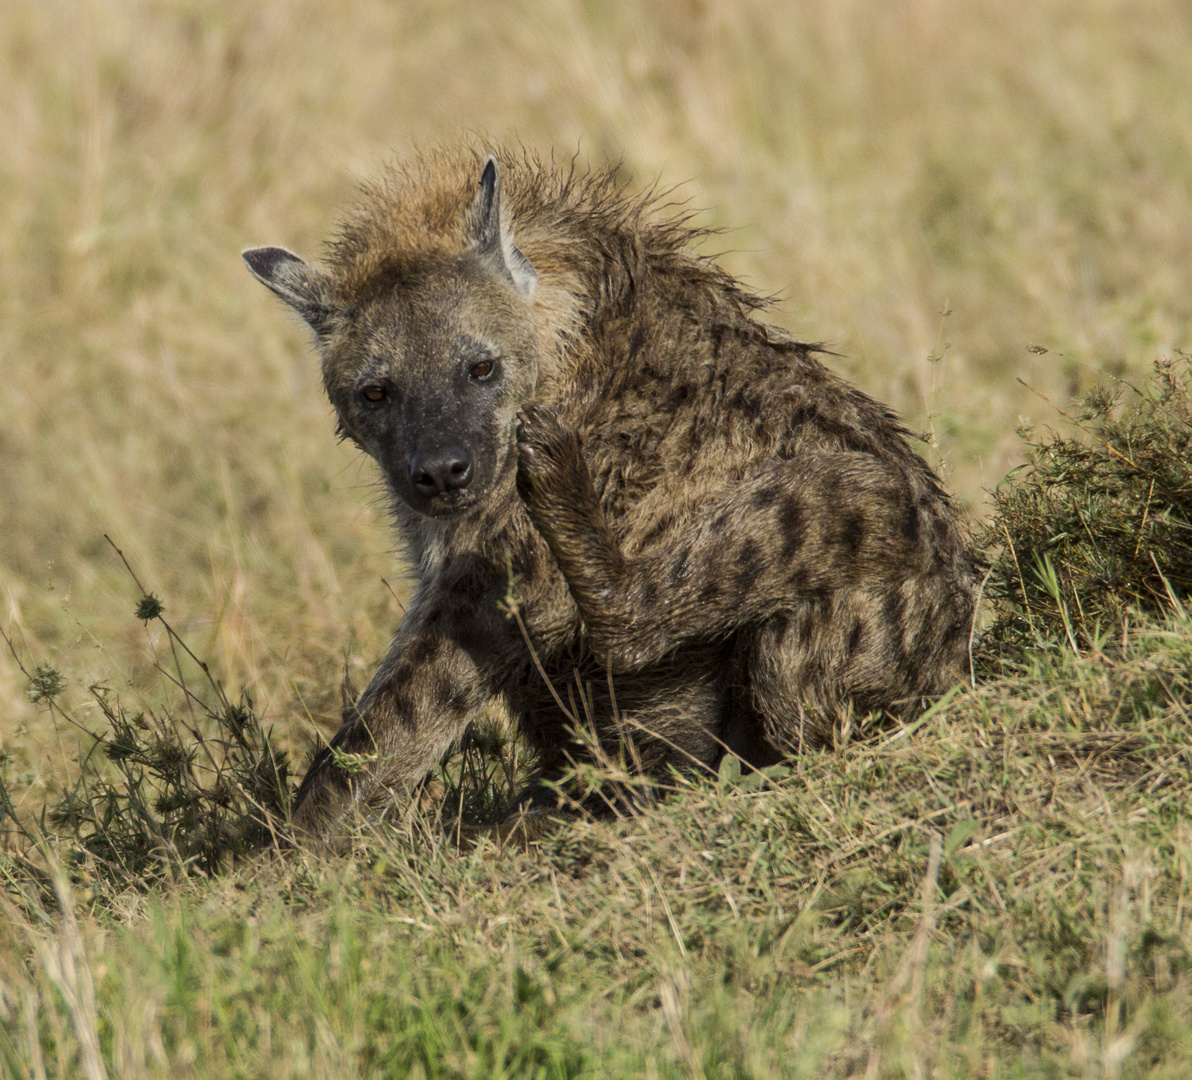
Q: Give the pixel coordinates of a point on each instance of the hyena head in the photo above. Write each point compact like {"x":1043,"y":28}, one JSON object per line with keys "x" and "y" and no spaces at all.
{"x":429,"y":360}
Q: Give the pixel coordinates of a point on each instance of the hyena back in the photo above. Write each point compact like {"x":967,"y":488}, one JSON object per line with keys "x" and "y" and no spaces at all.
{"x":736,"y":547}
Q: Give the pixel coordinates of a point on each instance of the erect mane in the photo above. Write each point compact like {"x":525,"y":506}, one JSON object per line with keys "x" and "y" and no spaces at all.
{"x":569,"y":221}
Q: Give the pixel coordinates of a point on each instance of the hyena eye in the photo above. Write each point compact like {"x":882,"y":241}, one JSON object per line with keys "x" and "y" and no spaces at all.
{"x":481,"y":370}
{"x":374,"y":393}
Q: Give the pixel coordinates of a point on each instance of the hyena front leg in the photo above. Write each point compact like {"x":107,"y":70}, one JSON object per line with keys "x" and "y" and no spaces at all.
{"x":796,"y":532}
{"x":438,"y":673}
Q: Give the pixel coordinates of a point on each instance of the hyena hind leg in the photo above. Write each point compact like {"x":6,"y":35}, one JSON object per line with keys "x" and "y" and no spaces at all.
{"x":812,"y":670}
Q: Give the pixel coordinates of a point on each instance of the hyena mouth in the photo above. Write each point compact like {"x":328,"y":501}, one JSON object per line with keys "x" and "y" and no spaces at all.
{"x":445,"y":505}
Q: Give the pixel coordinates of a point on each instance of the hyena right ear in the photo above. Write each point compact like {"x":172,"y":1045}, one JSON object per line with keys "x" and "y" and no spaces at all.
{"x":305,"y":288}
{"x":491,"y":236}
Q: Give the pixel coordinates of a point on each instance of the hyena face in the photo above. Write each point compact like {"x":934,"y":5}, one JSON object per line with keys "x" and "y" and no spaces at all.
{"x":428,"y":380}
{"x":428,"y":369}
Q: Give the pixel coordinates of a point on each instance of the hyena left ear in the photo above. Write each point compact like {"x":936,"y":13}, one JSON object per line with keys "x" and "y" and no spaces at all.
{"x":305,"y":288}
{"x":494,"y":243}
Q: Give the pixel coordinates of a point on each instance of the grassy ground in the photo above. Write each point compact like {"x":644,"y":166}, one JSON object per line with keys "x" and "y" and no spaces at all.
{"x":955,"y":196}
{"x":1000,"y":889}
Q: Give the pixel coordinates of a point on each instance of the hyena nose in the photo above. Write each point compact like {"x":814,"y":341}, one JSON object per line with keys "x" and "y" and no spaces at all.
{"x":433,"y":472}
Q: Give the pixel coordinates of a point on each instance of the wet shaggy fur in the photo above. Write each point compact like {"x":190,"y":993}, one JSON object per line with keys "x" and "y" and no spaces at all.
{"x":732,"y":546}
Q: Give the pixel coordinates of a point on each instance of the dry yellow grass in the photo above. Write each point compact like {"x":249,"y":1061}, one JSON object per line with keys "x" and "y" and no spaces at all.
{"x":1027,"y":167}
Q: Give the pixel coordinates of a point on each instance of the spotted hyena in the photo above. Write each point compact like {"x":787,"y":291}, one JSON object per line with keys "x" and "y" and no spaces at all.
{"x":730,"y":545}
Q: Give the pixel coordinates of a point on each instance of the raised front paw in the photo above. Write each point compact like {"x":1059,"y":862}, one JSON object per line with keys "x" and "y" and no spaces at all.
{"x":549,"y":460}
{"x":557,"y":491}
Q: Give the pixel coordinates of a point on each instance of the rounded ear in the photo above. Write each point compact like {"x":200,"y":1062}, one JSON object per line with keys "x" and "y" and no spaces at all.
{"x":306,"y":288}
{"x":493,"y":242}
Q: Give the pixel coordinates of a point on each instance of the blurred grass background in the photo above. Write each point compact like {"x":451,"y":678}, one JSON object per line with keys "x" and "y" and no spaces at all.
{"x":1026,"y":168}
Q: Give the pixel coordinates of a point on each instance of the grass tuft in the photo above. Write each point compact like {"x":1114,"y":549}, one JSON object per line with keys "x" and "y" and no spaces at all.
{"x":161,"y":793}
{"x":1096,"y":529}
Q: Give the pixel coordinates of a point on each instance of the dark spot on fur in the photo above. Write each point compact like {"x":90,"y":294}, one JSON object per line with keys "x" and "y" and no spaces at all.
{"x":894,"y":617}
{"x":804,"y":414}
{"x":748,"y":565}
{"x":709,"y":592}
{"x":939,"y":535}
{"x":401,"y":704}
{"x":470,"y":578}
{"x":748,"y":403}
{"x":793,"y":528}
{"x":526,"y":571}
{"x":910,"y":524}
{"x":854,"y":639}
{"x":912,"y":666}
{"x":635,"y":343}
{"x":472,"y":638}
{"x":650,"y":593}
{"x":682,"y":566}
{"x":852,"y":532}
{"x":674,"y":398}
{"x":449,"y":696}
{"x":765,"y":497}
{"x":420,"y":651}
{"x":847,"y":437}
{"x":441,"y":689}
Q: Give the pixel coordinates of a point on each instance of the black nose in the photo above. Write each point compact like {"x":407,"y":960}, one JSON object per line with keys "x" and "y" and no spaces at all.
{"x":433,"y":472}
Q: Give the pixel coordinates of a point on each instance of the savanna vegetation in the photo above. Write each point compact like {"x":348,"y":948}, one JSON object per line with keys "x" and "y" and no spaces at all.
{"x":985,"y":209}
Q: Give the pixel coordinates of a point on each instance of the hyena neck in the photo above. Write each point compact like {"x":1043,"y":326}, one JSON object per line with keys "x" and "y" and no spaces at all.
{"x":491,"y":535}
{"x":424,"y":542}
